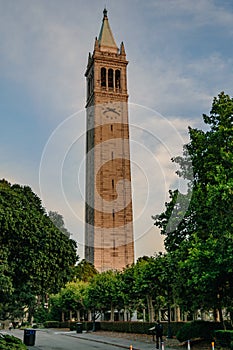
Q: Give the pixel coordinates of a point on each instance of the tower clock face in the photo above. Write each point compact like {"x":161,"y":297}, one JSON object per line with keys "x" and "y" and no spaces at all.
{"x":111,"y":112}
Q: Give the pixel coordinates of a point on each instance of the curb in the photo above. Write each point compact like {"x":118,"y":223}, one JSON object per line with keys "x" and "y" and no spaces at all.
{"x":102,"y":342}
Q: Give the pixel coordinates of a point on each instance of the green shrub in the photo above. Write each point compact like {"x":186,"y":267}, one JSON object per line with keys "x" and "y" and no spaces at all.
{"x":72,"y":326}
{"x":25,"y":325}
{"x":225,"y":338}
{"x":65,"y":324}
{"x":197,"y":329}
{"x":87,"y":326}
{"x":51,"y":324}
{"x":126,"y":327}
{"x":138,"y":327}
{"x":9,"y":342}
{"x":41,"y":315}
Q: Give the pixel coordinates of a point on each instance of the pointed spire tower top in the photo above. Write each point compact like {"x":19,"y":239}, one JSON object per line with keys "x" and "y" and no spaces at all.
{"x":106,"y":39}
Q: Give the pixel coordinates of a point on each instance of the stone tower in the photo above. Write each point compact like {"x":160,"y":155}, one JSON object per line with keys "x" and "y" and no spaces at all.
{"x":109,"y":242}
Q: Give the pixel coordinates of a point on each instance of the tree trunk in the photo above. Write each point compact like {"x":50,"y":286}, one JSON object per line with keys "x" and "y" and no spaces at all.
{"x":78,"y":315}
{"x":220,"y":315}
{"x":71,"y":315}
{"x":216,"y":315}
{"x":89,"y":315}
{"x":112,"y":314}
{"x":125,"y":315}
{"x":144,"y":314}
{"x":231,"y":317}
{"x":177,"y":314}
{"x":150,"y":308}
{"x":30,"y":314}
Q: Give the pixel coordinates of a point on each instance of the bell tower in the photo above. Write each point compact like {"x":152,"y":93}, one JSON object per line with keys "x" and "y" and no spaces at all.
{"x":109,"y":241}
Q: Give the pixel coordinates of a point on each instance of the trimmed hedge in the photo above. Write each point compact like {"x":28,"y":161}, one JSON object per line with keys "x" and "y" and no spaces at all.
{"x":138,"y":327}
{"x":87,"y":326}
{"x":182,"y":330}
{"x":198,"y":329}
{"x":126,"y":327}
{"x":52,"y":324}
{"x":65,"y":324}
{"x":9,"y":342}
{"x":225,"y":338}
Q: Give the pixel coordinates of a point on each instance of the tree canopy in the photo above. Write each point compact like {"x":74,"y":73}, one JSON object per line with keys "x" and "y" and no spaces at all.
{"x":195,"y":272}
{"x":37,"y":258}
{"x":58,"y":221}
{"x":202,"y":239}
{"x":84,"y":271}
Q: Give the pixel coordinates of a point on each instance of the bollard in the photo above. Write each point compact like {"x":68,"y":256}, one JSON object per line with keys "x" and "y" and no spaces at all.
{"x":188,"y":344}
{"x":162,"y":345}
{"x":212,"y":345}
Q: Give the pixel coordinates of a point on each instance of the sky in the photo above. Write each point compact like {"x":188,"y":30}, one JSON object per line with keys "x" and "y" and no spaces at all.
{"x":180,"y":56}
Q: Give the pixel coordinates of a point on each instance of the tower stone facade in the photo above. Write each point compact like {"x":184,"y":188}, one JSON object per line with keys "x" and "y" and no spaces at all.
{"x":109,"y":242}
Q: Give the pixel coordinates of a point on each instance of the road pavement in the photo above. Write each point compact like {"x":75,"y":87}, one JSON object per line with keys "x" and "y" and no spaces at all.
{"x":51,"y":339}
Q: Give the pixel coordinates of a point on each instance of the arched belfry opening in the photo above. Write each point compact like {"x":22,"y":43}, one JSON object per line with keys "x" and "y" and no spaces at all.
{"x":103,"y":77}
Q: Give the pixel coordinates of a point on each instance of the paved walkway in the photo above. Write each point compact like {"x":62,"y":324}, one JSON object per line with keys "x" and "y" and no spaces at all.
{"x":119,"y":340}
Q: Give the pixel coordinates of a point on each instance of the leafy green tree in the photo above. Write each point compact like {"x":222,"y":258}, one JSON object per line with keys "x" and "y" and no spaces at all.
{"x":38,"y":259}
{"x":84,"y":271}
{"x":104,"y":293}
{"x":6,"y":286}
{"x":72,"y":298}
{"x":203,"y":235}
{"x":58,"y":221}
{"x":55,"y":312}
{"x":146,"y":283}
{"x":133,"y":300}
{"x":154,"y":278}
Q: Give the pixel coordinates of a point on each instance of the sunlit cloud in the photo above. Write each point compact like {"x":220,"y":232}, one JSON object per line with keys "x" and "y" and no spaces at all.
{"x":179,"y":59}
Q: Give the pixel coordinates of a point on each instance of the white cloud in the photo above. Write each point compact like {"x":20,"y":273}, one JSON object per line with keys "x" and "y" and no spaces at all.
{"x":188,"y":12}
{"x":153,"y":142}
{"x":180,"y":57}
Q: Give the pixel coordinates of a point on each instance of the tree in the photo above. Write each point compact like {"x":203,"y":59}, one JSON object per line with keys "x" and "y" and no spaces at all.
{"x":6,"y":286}
{"x":39,"y":259}
{"x":58,"y":221}
{"x":55,"y":311}
{"x":72,"y":298}
{"x":146,"y":283}
{"x":204,"y":235}
{"x":133,"y":300}
{"x":84,"y":271}
{"x":104,"y":293}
